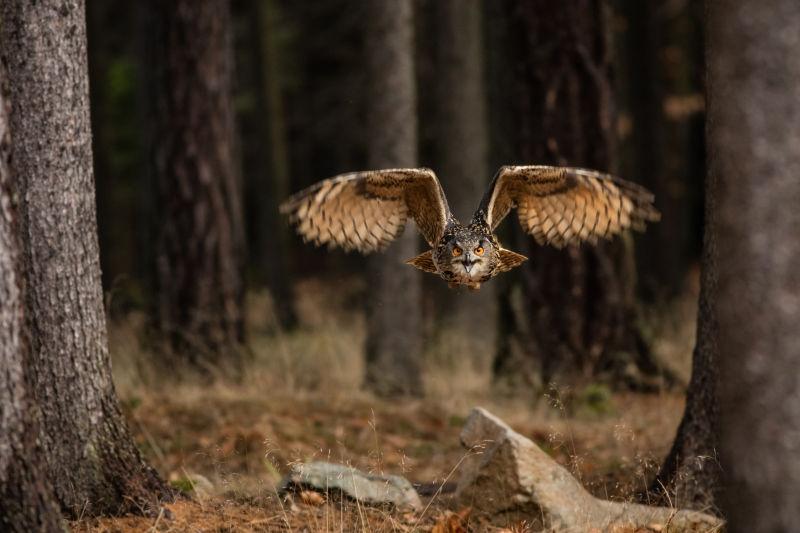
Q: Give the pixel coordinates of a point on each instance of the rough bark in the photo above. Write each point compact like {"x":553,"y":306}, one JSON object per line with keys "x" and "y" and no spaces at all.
{"x":578,"y":305}
{"x":91,"y":459}
{"x":26,"y":502}
{"x":200,"y":242}
{"x":754,"y":136}
{"x":457,"y":125}
{"x":690,"y":474}
{"x":394,"y":290}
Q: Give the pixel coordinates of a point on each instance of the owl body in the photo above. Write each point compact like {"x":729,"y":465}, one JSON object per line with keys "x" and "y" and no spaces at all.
{"x":558,"y":206}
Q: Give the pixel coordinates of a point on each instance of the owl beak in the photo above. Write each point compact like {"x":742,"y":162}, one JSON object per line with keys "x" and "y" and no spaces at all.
{"x":469,"y":262}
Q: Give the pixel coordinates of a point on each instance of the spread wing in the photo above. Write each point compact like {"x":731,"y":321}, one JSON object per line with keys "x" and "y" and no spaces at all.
{"x":563,"y":205}
{"x":366,"y":211}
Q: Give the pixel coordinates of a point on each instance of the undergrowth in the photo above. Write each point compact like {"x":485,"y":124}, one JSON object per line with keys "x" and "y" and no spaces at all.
{"x":228,"y":443}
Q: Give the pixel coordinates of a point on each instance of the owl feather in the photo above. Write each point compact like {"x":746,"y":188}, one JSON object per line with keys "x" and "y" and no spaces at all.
{"x":558,"y":206}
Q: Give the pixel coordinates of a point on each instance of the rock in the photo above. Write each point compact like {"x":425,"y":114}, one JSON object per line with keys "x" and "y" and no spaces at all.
{"x":508,"y":475}
{"x":366,"y":488}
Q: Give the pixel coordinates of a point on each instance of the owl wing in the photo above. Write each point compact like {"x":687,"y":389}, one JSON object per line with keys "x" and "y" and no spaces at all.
{"x":563,"y":205}
{"x":366,"y":211}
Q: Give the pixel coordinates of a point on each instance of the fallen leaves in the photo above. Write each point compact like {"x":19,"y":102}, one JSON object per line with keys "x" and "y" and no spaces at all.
{"x":451,"y":522}
{"x":310,"y":497}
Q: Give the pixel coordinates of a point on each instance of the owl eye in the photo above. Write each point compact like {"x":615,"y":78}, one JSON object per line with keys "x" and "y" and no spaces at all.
{"x":457,"y":251}
{"x":479,"y":250}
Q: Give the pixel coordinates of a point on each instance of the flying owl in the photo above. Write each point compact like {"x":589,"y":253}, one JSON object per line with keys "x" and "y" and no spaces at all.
{"x":366,"y":211}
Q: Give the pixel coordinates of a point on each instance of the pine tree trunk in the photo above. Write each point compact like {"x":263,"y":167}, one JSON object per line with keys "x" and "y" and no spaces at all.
{"x":754,"y":136}
{"x":91,"y":458}
{"x":269,"y":173}
{"x":689,"y":477}
{"x":394,"y":290}
{"x":200,"y":243}
{"x":458,"y":131}
{"x":578,"y":307}
{"x":26,"y":502}
{"x":659,"y":79}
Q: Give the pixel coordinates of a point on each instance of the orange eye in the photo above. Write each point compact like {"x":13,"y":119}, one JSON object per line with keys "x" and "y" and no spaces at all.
{"x":456,"y":251}
{"x":479,"y":250}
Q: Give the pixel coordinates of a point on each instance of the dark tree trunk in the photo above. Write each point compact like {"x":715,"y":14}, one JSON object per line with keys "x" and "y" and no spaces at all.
{"x":267,"y":170}
{"x":119,"y":151}
{"x":394,"y":291}
{"x":754,"y":111}
{"x":457,"y":130}
{"x":660,"y":86}
{"x":200,"y":243}
{"x":91,"y":459}
{"x":689,"y":477}
{"x":26,"y":502}
{"x":578,"y":309}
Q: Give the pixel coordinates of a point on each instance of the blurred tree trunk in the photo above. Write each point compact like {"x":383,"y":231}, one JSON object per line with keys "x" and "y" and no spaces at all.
{"x":99,"y":61}
{"x":271,"y":244}
{"x":200,"y":245}
{"x":91,"y":458}
{"x":394,"y":290}
{"x":754,"y":110}
{"x":458,"y":135}
{"x":577,"y":313}
{"x":689,"y":477}
{"x":119,"y":143}
{"x":26,"y":502}
{"x":660,"y":86}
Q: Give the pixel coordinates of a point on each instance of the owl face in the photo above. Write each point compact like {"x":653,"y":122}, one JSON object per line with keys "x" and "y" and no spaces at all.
{"x":467,"y":257}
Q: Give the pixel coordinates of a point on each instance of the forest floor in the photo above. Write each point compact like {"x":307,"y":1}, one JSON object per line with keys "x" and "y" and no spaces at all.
{"x":230,"y":443}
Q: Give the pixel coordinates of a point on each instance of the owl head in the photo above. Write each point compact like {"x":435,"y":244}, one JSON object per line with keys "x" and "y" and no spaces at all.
{"x":470,"y":255}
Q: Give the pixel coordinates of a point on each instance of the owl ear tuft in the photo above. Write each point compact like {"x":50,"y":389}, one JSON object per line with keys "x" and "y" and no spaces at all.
{"x":509,"y":260}
{"x":424,"y":261}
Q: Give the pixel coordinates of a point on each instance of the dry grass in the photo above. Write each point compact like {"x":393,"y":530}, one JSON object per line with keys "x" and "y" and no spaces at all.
{"x":300,"y":400}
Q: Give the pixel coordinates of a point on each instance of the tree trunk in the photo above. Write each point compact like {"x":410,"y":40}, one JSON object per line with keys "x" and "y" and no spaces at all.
{"x":754,"y":110}
{"x":26,"y":502}
{"x":200,"y":243}
{"x":394,"y":290}
{"x":91,"y":459}
{"x":458,"y":133}
{"x":578,"y":305}
{"x":660,"y":84}
{"x":268,"y":170}
{"x":119,"y":149}
{"x":689,"y":477}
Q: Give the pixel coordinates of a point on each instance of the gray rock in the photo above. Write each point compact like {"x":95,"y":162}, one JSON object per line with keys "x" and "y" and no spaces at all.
{"x":507,"y":475}
{"x":366,"y":488}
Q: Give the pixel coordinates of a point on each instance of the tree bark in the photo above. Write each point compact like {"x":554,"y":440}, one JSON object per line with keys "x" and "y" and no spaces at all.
{"x":458,"y":132}
{"x":689,"y":477}
{"x":91,"y":459}
{"x":26,"y":501}
{"x":754,"y":109}
{"x":394,"y":290}
{"x":578,"y":306}
{"x":200,"y":243}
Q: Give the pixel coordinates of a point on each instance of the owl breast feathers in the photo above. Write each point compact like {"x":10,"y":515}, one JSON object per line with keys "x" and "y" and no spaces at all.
{"x":366,"y":211}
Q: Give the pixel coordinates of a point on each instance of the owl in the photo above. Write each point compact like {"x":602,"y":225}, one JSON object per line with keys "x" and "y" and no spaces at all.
{"x":558,"y":206}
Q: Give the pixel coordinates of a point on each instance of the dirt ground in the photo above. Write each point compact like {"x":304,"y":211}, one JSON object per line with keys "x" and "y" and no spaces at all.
{"x":228,"y":444}
{"x":232,"y":448}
